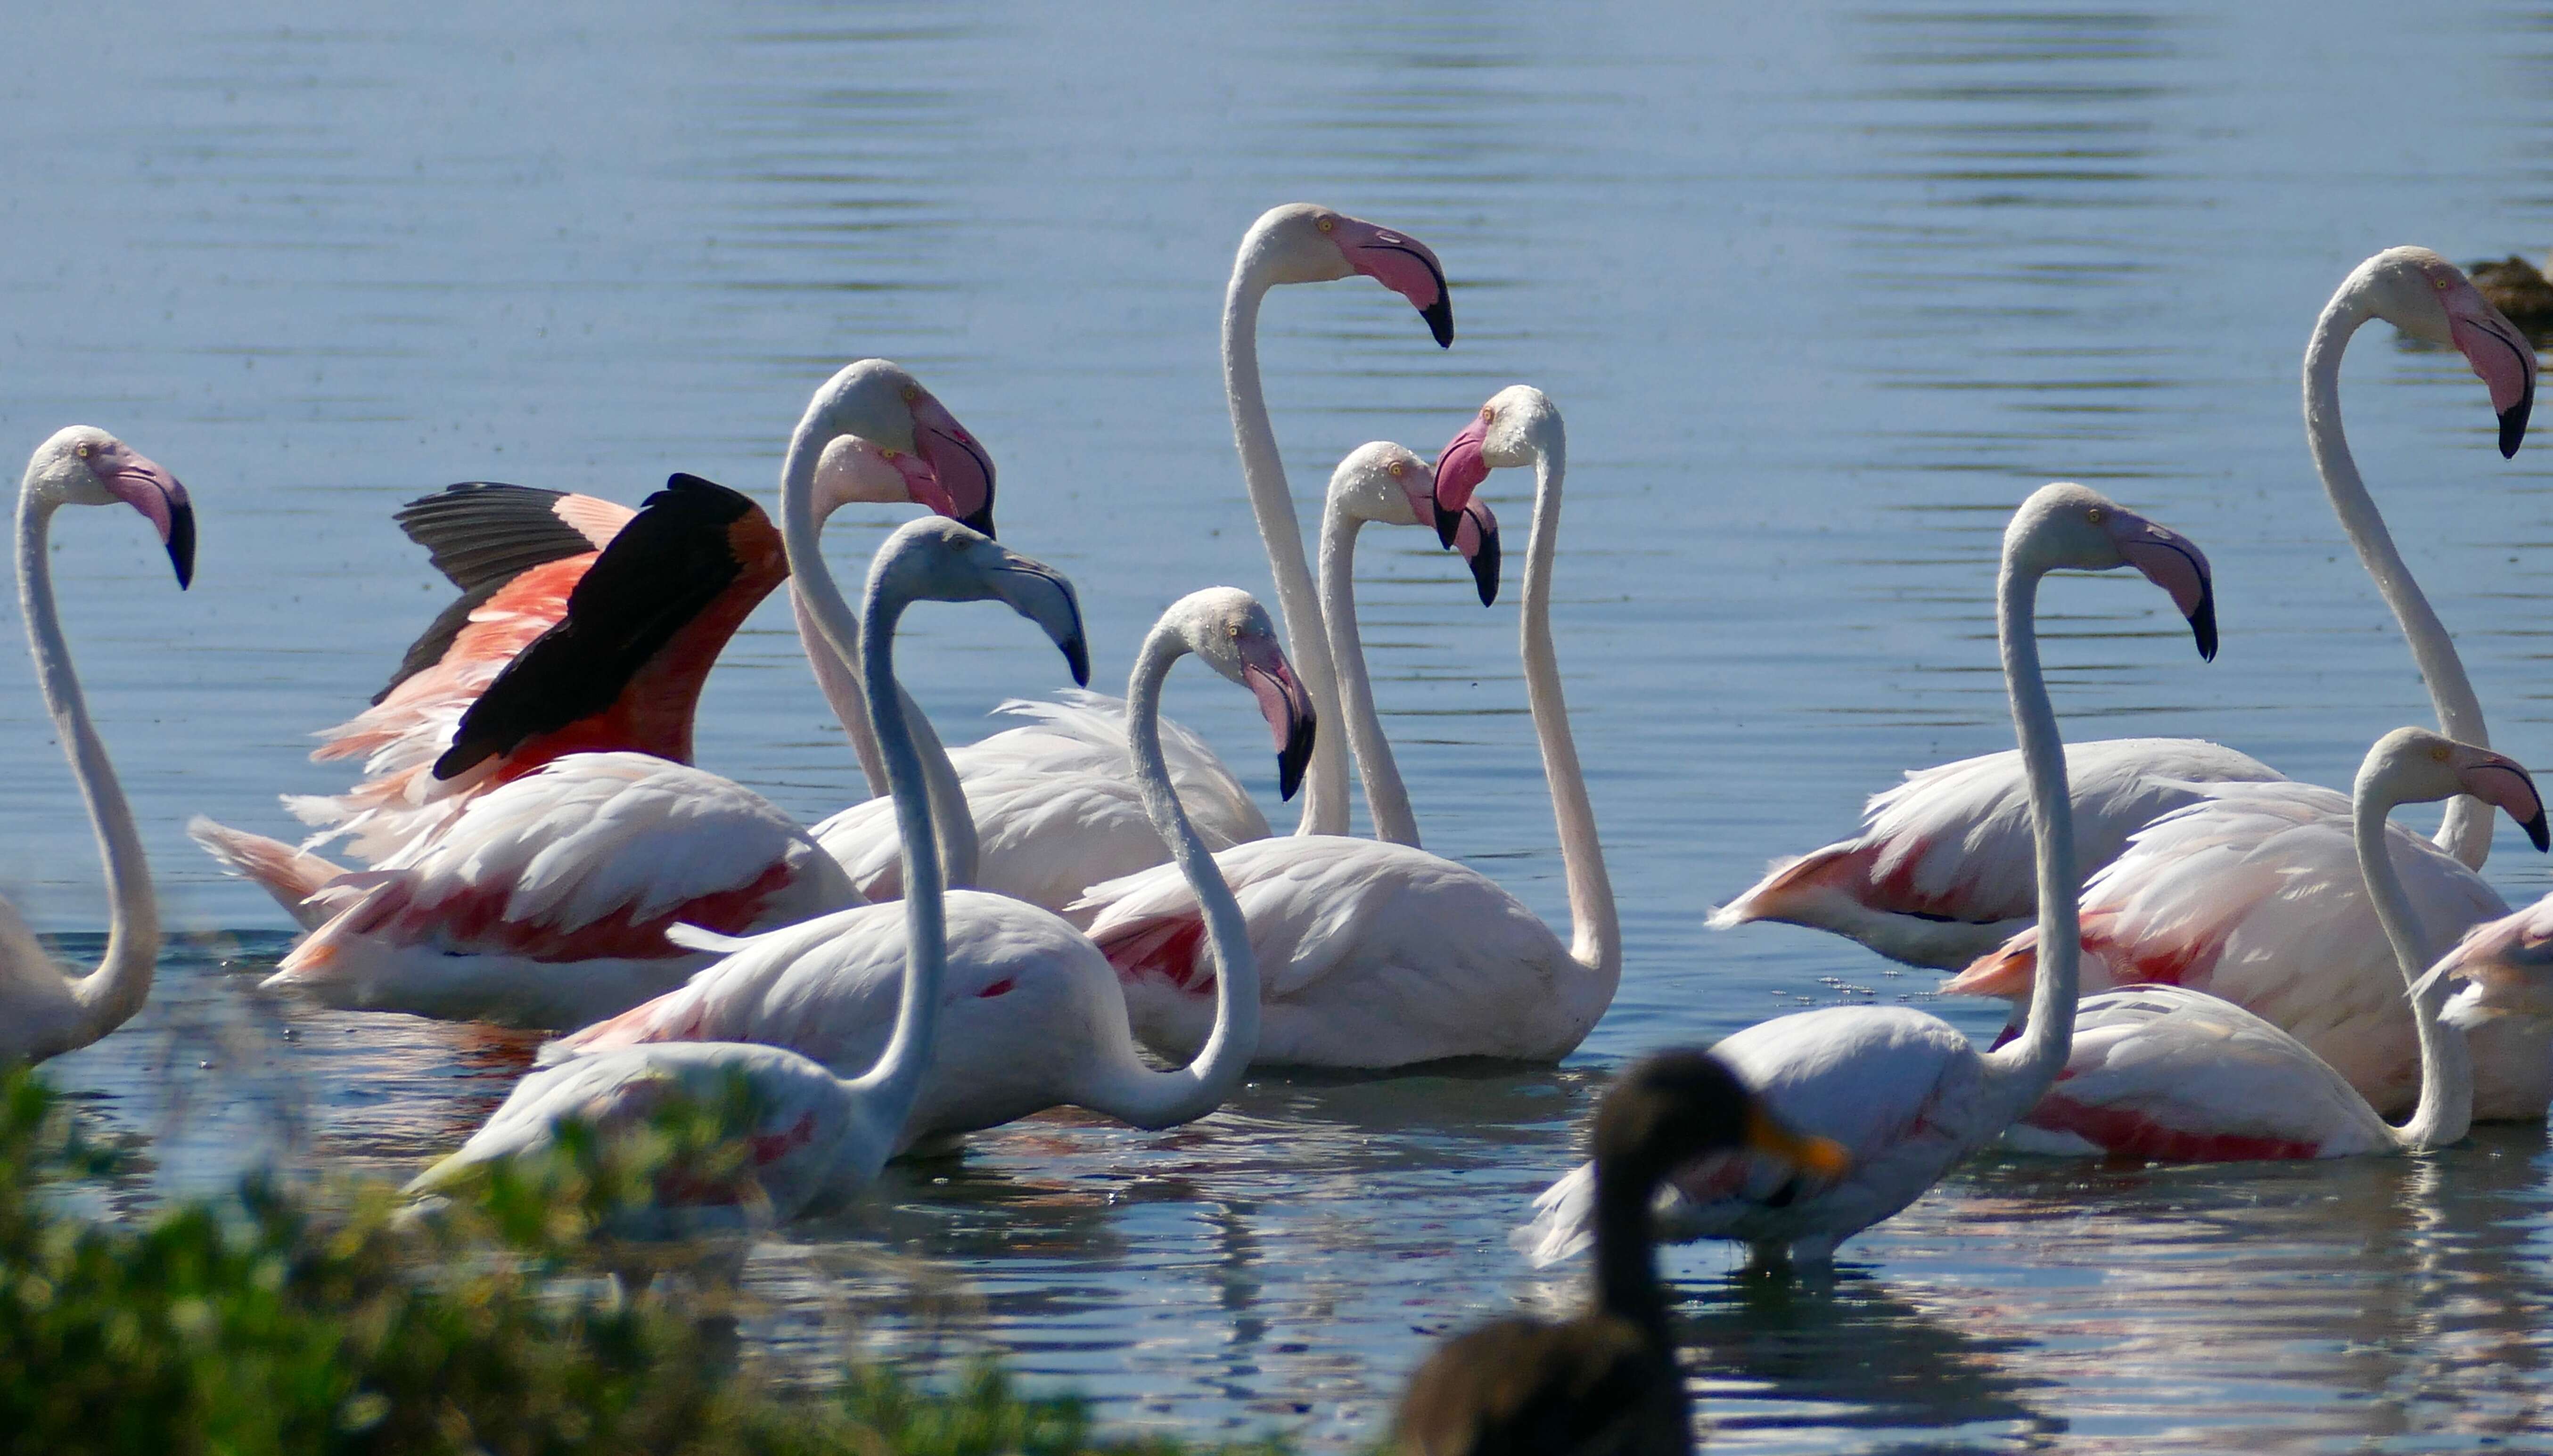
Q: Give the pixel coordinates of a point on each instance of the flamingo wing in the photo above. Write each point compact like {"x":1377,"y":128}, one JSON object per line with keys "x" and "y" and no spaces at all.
{"x":1041,"y":837}
{"x":2167,"y":1072}
{"x":1943,"y":868}
{"x":482,"y":535}
{"x":1086,"y":732}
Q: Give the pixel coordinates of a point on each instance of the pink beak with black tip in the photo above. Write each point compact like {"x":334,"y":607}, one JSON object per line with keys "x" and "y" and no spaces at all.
{"x":1459,"y":472}
{"x":2499,"y":355}
{"x":1287,"y":706}
{"x":2500,"y":781}
{"x":947,"y":472}
{"x":2174,"y":563}
{"x":147,"y":487}
{"x":1403,"y":264}
{"x":1476,"y":535}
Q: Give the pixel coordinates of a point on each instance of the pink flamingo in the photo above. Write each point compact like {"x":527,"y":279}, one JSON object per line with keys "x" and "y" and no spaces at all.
{"x":42,"y":1012}
{"x":1940,"y":873}
{"x":2164,"y":1072}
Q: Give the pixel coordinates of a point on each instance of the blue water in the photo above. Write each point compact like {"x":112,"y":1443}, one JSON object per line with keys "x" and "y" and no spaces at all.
{"x":1823,"y":293}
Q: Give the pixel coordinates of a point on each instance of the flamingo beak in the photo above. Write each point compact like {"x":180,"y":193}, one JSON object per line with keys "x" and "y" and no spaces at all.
{"x":2501,"y":782}
{"x":1044,"y":596}
{"x":1459,"y":472}
{"x":2499,"y":355}
{"x":1477,"y":539}
{"x":959,"y":483}
{"x":1287,"y":708}
{"x":2174,"y":563}
{"x":148,"y":487}
{"x":1403,"y":264}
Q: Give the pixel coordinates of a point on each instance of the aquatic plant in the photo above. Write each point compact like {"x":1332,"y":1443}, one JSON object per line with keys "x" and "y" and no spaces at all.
{"x":290,"y":1319}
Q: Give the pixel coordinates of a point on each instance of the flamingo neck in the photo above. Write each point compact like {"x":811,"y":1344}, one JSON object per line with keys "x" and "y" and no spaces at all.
{"x":1263,"y":471}
{"x":2465,"y":831}
{"x":1129,"y":1090}
{"x":887,"y":1090}
{"x":108,"y":995}
{"x":2027,"y":1067}
{"x":2445,"y":1111}
{"x":1596,"y":928}
{"x":813,"y":596}
{"x":1385,"y":797}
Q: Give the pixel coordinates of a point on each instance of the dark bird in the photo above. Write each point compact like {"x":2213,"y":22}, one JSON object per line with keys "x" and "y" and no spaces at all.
{"x":1605,"y":1383}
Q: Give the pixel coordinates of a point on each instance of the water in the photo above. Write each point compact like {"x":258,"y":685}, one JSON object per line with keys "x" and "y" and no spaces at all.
{"x":1823,"y":293}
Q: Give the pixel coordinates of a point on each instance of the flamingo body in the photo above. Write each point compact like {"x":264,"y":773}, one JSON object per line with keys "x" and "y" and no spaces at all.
{"x":1371,"y":954}
{"x":545,"y":901}
{"x":2255,"y":896}
{"x":1940,"y":873}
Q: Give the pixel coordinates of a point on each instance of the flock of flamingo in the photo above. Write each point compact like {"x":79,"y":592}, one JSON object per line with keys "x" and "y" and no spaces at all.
{"x":1090,"y":909}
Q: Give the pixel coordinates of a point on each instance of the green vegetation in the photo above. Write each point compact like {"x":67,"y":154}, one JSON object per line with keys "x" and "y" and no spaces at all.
{"x":278,"y":1322}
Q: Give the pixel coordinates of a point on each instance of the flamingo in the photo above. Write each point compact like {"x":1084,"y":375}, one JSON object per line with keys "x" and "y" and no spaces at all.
{"x":1375,"y":953}
{"x":1387,"y":483}
{"x":2164,"y":1071}
{"x":2255,"y":896}
{"x":1605,"y":1381}
{"x":545,"y":901}
{"x":1034,"y":1017}
{"x":1938,"y":875}
{"x":516,"y":554}
{"x":42,"y":1012}
{"x":1051,"y":825}
{"x":1904,"y":1092}
{"x":814,"y":1135}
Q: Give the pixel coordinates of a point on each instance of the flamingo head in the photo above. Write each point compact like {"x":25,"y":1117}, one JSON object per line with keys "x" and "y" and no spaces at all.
{"x":1518,"y":426}
{"x":2429,"y":298}
{"x":1679,"y":1106}
{"x":2066,"y":527}
{"x":1388,"y":485}
{"x":2412,"y":766}
{"x":942,"y":560}
{"x":83,"y":465}
{"x":1227,"y":628}
{"x":886,"y":438}
{"x":1302,"y":243}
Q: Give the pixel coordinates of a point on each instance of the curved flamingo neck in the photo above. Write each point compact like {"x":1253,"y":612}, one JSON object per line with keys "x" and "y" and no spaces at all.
{"x":1385,"y":797}
{"x":107,"y":996}
{"x":1263,"y":471}
{"x":1596,"y":928}
{"x":813,"y":595}
{"x":1130,"y":1090}
{"x":2026,"y":1068}
{"x":887,"y":1090}
{"x":2467,"y":829}
{"x":2445,"y":1111}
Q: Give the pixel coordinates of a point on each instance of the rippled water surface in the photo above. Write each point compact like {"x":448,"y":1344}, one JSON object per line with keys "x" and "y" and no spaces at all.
{"x":1823,"y":291}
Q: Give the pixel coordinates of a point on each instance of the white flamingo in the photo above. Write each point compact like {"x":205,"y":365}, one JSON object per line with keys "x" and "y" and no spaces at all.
{"x":1940,"y":873}
{"x":1904,"y":1092}
{"x":2164,"y":1071}
{"x":814,"y":1135}
{"x":1373,"y":954}
{"x":42,"y":1012}
{"x":1033,"y":1017}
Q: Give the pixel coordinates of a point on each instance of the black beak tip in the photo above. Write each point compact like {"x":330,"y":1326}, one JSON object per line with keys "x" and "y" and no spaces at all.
{"x":182,"y":543}
{"x":1440,"y":320}
{"x":2538,"y":834}
{"x":1485,"y":569}
{"x":2512,"y":423}
{"x":1294,"y":758}
{"x":981,"y":521}
{"x":1076,"y":655}
{"x":2202,"y":624}
{"x":1448,"y":522}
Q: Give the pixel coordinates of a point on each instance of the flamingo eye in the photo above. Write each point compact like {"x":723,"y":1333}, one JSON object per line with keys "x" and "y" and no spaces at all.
{"x":2439,"y":753}
{"x":1398,"y":470}
{"x":1326,"y":224}
{"x":887,"y":454}
{"x":1488,"y":414}
{"x":912,"y":393}
{"x":2096,"y":515}
{"x":86,"y":450}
